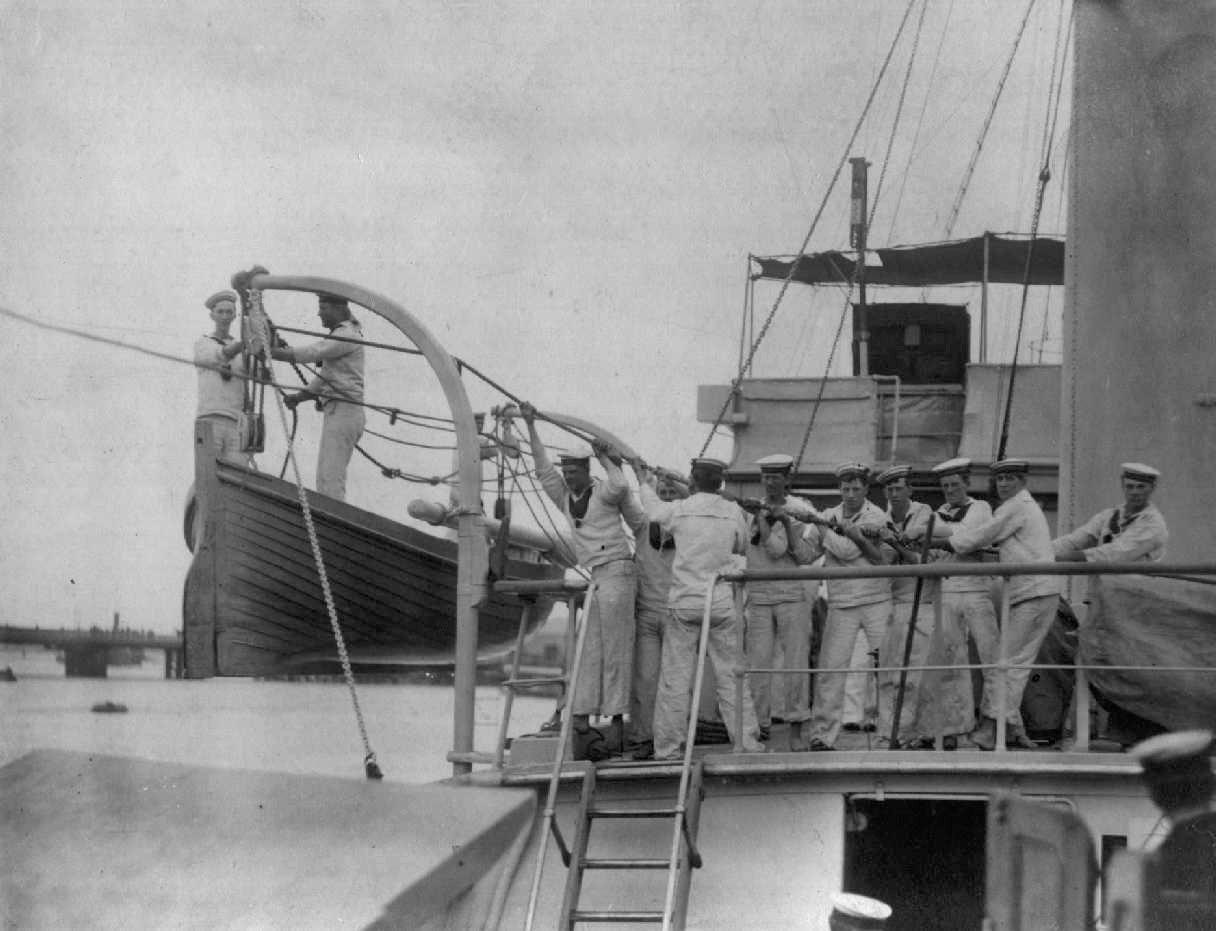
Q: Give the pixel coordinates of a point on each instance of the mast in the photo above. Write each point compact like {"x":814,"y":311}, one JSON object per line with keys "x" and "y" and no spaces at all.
{"x":1139,"y":383}
{"x":857,"y":240}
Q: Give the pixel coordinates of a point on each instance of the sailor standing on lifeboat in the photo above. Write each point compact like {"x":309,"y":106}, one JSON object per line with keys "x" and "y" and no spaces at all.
{"x":221,"y":387}
{"x":1129,"y":533}
{"x":338,"y":387}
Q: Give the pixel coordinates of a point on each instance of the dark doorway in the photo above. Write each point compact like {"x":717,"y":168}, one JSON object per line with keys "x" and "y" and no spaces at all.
{"x":923,"y":857}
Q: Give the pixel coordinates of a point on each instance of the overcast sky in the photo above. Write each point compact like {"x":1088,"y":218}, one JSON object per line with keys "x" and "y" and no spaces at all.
{"x":565,"y":194}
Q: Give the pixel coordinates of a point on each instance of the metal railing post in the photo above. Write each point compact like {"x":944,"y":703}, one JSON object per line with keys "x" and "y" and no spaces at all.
{"x":1080,"y":695}
{"x":1002,"y":669}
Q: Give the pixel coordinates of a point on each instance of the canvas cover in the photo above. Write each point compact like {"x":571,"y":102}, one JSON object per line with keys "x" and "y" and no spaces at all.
{"x":1143,"y":621}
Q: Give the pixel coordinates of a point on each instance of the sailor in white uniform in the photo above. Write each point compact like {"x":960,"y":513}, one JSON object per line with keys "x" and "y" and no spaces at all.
{"x":1135,"y":531}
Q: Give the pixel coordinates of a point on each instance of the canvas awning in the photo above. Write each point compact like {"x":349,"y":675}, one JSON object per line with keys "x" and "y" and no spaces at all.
{"x":958,"y":262}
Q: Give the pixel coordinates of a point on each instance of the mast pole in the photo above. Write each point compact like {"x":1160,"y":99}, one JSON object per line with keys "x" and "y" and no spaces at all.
{"x":984,"y":303}
{"x":857,"y":236}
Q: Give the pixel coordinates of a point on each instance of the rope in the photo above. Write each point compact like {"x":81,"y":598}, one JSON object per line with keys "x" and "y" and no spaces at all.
{"x":785,"y":284}
{"x":1041,"y":190}
{"x":975,"y":156}
{"x":370,"y":766}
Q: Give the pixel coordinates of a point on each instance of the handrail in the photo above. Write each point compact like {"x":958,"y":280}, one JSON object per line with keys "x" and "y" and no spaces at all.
{"x":932,"y":571}
{"x":548,"y":821}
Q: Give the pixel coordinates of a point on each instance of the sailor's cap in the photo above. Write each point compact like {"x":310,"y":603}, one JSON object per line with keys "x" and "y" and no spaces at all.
{"x":220,"y":297}
{"x":1182,"y":752}
{"x":853,"y":470}
{"x":709,"y":462}
{"x":892,"y":473}
{"x":1139,"y":472}
{"x":324,"y":297}
{"x":1016,"y":466}
{"x":777,"y":462}
{"x":861,"y":911}
{"x":952,"y":467}
{"x":579,"y":452}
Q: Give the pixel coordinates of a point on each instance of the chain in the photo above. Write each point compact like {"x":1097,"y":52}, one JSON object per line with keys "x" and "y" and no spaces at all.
{"x":369,"y":760}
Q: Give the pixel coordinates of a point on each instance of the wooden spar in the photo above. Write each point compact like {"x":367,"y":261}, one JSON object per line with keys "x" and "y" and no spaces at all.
{"x":473,"y":550}
{"x":554,"y":544}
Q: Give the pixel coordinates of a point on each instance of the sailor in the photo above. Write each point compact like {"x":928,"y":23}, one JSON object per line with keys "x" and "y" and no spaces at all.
{"x":709,"y":532}
{"x":598,"y":512}
{"x":1135,"y":531}
{"x":221,"y":390}
{"x":777,"y":610}
{"x":1177,"y":769}
{"x":966,"y":606}
{"x":655,"y":550}
{"x":846,"y":535}
{"x":337,"y":387}
{"x":1019,"y":531}
{"x":906,"y":520}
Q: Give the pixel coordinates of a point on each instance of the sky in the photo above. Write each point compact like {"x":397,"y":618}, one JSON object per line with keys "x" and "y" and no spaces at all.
{"x":565,"y":194}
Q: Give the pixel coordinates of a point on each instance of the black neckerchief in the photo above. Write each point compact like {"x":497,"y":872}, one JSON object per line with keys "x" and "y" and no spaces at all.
{"x":953,"y":517}
{"x":580,"y":502}
{"x":1115,"y":527}
{"x":656,"y":538}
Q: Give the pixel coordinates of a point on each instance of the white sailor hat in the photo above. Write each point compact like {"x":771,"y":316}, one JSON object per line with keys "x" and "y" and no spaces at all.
{"x":892,"y":473}
{"x":952,"y":467}
{"x":579,"y":452}
{"x":1180,"y":752}
{"x":220,"y":297}
{"x":709,"y":462}
{"x":851,"y":910}
{"x":777,"y":462}
{"x":853,"y":470}
{"x":1017,"y":466}
{"x":1139,"y":472}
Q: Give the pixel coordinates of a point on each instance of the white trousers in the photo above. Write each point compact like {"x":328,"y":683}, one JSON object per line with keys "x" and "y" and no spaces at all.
{"x":339,"y":433}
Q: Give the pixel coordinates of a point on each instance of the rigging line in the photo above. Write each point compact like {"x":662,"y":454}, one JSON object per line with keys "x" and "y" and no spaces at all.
{"x":806,"y":436}
{"x":899,"y":109}
{"x":401,"y":442}
{"x":553,"y":537}
{"x":789,"y":277}
{"x":1044,"y":178}
{"x":920,"y":120}
{"x":350,"y":339}
{"x":975,"y":155}
{"x":1049,"y":130}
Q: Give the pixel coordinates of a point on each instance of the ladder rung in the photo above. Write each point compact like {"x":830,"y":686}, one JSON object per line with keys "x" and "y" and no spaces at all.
{"x":626,"y":863}
{"x":596,"y":915}
{"x":631,"y":812}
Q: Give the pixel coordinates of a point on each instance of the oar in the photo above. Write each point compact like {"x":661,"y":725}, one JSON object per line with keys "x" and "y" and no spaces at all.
{"x":903,"y":671}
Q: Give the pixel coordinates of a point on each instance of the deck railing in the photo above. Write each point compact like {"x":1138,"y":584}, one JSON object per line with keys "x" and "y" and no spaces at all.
{"x":1002,"y":571}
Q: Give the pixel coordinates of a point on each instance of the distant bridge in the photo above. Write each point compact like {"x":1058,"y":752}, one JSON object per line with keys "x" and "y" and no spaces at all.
{"x":86,"y":653}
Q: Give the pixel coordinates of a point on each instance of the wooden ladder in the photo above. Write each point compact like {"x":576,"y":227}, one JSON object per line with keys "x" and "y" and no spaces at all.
{"x":679,"y":864}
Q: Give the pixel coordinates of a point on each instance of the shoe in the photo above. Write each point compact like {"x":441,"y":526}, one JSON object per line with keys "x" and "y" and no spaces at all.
{"x":552,"y":726}
{"x":851,"y":726}
{"x":869,"y":727}
{"x":984,"y":736}
{"x":643,"y":750}
{"x":918,"y":743}
{"x":798,"y":742}
{"x":1016,"y":739}
{"x":817,"y":746}
{"x":765,"y":730}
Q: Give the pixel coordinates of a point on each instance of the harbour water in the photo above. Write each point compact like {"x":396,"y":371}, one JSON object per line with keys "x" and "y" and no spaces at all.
{"x":296,"y":727}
